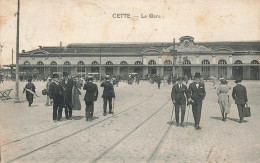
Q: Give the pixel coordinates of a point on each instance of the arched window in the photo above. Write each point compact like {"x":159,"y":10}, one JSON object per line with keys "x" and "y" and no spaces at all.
{"x":123,"y":63}
{"x":168,"y":62}
{"x":186,"y":62}
{"x":138,"y":63}
{"x":67,"y":63}
{"x":81,"y":63}
{"x":53,"y":63}
{"x":26,"y":63}
{"x":222,"y":62}
{"x":205,"y":62}
{"x":109,"y":63}
{"x":238,"y":62}
{"x":151,"y":62}
{"x":254,"y":62}
{"x":40,"y":63}
{"x":94,"y":63}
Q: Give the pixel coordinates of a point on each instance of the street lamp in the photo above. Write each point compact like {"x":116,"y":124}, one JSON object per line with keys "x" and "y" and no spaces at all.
{"x":17,"y":56}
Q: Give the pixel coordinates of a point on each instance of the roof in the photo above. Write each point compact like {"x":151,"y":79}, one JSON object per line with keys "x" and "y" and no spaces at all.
{"x":138,"y":48}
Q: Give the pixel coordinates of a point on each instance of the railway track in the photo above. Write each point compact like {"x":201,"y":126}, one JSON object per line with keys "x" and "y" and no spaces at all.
{"x":74,"y":133}
{"x":52,"y":128}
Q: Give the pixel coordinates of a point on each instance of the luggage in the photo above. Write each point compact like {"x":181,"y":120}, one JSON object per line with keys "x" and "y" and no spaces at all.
{"x":246,"y":111}
{"x":44,"y":92}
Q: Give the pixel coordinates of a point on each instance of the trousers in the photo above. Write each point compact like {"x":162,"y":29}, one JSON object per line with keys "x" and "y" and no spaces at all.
{"x":240,"y":108}
{"x":109,"y":99}
{"x":68,"y":111}
{"x":196,"y":110}
{"x":57,"y":109}
{"x":89,"y":109}
{"x":177,"y":111}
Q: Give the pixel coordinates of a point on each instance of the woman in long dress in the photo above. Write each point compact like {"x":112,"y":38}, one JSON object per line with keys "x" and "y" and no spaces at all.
{"x":75,"y":96}
{"x":223,"y":98}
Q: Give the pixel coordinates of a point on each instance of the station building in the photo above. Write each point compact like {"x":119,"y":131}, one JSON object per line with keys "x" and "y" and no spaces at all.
{"x":185,"y":57}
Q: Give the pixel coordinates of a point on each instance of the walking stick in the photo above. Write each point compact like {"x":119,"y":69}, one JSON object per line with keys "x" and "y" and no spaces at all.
{"x":188,"y":113}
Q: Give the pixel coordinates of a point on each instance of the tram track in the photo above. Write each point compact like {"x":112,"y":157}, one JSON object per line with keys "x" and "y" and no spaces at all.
{"x":74,"y":133}
{"x":52,"y":128}
{"x":129,"y":133}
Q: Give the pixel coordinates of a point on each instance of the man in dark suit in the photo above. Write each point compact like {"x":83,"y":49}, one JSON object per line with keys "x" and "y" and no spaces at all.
{"x":108,"y":94}
{"x":90,"y":96}
{"x":239,"y":94}
{"x":56,"y":93}
{"x":196,"y":94}
{"x":67,"y":85}
{"x":179,"y":100}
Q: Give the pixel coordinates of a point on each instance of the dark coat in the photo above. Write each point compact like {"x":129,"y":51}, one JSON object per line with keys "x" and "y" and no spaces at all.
{"x":68,"y":91}
{"x":56,"y":93}
{"x":196,"y":94}
{"x":239,"y":94}
{"x":91,"y":91}
{"x":108,"y":90}
{"x":178,"y":93}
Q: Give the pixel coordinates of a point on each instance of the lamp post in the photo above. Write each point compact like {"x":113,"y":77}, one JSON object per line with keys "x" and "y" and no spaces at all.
{"x":99,"y":62}
{"x":17,"y":56}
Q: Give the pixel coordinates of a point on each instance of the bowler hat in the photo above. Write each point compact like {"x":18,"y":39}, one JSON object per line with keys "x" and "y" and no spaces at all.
{"x":197,"y":75}
{"x":90,"y":78}
{"x":65,"y":74}
{"x":238,"y":80}
{"x":55,"y":76}
{"x":180,"y":78}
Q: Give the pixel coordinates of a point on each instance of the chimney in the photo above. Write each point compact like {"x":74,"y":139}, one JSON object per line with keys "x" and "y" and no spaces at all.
{"x":60,"y":43}
{"x":40,"y":47}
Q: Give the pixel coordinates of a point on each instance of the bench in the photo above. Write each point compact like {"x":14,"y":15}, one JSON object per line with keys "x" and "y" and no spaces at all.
{"x":5,"y":94}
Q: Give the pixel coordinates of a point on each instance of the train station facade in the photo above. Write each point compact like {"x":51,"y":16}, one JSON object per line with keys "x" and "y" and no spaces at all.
{"x":185,"y":57}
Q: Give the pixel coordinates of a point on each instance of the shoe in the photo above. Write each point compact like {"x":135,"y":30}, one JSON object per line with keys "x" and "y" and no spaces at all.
{"x":198,"y":127}
{"x":104,"y":114}
{"x":240,"y":121}
{"x":111,"y":112}
{"x":225,"y":119}
{"x":86,"y":119}
{"x":182,"y":125}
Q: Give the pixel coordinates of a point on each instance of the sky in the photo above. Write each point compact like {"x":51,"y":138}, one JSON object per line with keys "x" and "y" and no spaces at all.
{"x":49,"y":22}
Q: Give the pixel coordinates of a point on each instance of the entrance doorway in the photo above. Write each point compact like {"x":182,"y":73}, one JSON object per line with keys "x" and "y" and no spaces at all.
{"x":109,"y":70}
{"x":151,"y":70}
{"x":222,"y":70}
{"x":186,"y":71}
{"x":237,"y":72}
{"x":168,"y":70}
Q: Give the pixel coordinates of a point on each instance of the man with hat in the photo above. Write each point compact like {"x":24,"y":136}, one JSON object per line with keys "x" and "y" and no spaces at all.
{"x":108,"y":94}
{"x":67,"y":85}
{"x":56,"y":93}
{"x":90,"y":96}
{"x":179,"y":100}
{"x":239,"y":94}
{"x":29,"y":95}
{"x":196,"y":94}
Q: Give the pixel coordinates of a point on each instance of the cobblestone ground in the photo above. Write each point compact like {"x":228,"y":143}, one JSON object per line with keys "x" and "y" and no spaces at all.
{"x":137,"y":132}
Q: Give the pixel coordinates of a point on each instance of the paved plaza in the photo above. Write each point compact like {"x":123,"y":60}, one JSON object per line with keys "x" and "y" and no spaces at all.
{"x":139,"y":130}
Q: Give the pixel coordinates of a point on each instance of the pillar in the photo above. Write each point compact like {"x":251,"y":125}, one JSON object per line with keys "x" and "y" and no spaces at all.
{"x":214,"y":59}
{"x":145,"y":71}
{"x":229,"y":72}
{"x":230,"y":59}
{"x":197,"y":59}
{"x":246,"y":72}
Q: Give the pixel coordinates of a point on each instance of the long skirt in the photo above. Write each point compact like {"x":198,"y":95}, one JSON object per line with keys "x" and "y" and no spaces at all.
{"x":224,"y":103}
{"x":75,"y":99}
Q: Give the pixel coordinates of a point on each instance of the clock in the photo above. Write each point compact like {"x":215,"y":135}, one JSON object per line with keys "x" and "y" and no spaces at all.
{"x":186,"y":43}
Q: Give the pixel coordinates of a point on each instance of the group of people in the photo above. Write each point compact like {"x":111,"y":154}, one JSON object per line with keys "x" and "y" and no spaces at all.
{"x":65,"y":94}
{"x":195,"y":93}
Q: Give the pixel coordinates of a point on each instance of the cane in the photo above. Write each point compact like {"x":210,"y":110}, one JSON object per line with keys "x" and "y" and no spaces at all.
{"x":188,"y":113}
